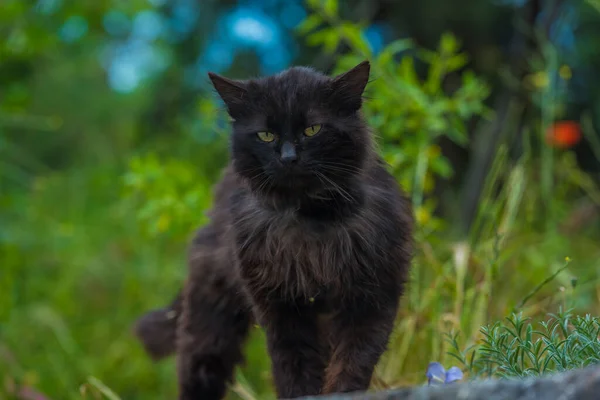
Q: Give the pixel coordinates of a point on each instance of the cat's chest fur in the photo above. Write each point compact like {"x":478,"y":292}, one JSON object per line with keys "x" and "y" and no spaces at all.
{"x":296,"y":256}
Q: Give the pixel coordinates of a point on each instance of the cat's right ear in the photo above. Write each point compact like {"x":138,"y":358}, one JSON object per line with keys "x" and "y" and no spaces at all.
{"x":232,"y":92}
{"x":349,"y":86}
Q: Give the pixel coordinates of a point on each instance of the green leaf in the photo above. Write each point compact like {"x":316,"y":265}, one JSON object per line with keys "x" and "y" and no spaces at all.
{"x":102,"y":388}
{"x":448,"y":44}
{"x":355,"y":39}
{"x":331,"y":43}
{"x":433,"y":83}
{"x":313,"y":4}
{"x":442,"y":167}
{"x":330,"y":7}
{"x":458,"y":132}
{"x":595,"y":4}
{"x":386,"y":56}
{"x":406,"y":70}
{"x":309,"y":24}
{"x":320,"y":37}
{"x":456,"y":62}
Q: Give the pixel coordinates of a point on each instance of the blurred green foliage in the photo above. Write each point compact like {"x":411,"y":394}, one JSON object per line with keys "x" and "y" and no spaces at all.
{"x":99,"y":193}
{"x":170,"y":194}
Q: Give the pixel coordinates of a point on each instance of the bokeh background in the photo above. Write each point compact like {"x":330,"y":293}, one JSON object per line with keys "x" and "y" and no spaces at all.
{"x":111,"y":139}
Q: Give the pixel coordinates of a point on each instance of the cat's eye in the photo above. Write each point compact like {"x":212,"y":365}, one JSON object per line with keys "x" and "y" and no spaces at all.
{"x":312,"y":130}
{"x":266,"y":136}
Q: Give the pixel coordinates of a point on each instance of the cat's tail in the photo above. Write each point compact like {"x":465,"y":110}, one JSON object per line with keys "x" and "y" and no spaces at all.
{"x":157,"y":329}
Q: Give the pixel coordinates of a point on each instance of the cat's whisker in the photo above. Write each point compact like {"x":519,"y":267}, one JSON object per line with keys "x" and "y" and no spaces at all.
{"x":334,"y":167}
{"x":322,"y":183}
{"x":264,"y":183}
{"x":339,"y":165}
{"x":337,"y":171}
{"x":337,"y":187}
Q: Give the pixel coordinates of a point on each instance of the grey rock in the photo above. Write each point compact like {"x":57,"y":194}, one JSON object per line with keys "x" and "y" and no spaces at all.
{"x":582,"y":384}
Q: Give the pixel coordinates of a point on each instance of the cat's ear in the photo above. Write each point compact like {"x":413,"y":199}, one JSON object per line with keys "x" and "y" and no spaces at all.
{"x":233,"y":93}
{"x":349,"y":87}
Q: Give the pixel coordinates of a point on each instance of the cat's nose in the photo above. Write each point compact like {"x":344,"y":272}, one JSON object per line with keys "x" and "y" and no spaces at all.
{"x":288,"y":153}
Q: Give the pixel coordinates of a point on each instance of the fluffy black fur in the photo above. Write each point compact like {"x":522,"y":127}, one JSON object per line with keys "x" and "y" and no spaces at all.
{"x":310,"y":236}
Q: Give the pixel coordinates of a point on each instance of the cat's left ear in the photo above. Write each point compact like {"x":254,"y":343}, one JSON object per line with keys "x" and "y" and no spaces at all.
{"x":233,"y":93}
{"x":349,"y":87}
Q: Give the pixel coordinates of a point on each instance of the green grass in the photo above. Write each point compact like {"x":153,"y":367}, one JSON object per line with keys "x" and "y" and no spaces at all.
{"x":78,"y":268}
{"x":81,"y":266}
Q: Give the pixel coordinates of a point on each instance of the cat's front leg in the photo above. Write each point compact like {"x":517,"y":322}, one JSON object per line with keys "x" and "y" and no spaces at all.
{"x":297,"y":353}
{"x":359,"y":333}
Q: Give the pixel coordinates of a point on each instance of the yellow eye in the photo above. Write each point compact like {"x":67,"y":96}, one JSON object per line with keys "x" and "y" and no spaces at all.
{"x":266,"y":136}
{"x":312,"y":130}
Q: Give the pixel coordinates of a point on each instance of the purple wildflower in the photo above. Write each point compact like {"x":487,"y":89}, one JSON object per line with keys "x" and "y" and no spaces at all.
{"x":436,"y":373}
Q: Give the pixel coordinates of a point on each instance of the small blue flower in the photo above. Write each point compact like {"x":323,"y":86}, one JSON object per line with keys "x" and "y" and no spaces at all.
{"x":437,"y":374}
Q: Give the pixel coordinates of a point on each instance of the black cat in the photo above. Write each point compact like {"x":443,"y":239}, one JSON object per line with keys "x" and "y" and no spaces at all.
{"x":310,"y":236}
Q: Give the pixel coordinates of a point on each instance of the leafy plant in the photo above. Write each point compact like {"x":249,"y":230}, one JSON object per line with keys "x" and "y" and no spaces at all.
{"x":519,"y":348}
{"x":409,"y":102}
{"x":170,"y":195}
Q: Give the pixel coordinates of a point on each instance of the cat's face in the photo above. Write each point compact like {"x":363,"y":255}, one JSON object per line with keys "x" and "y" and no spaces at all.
{"x":299,"y":131}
